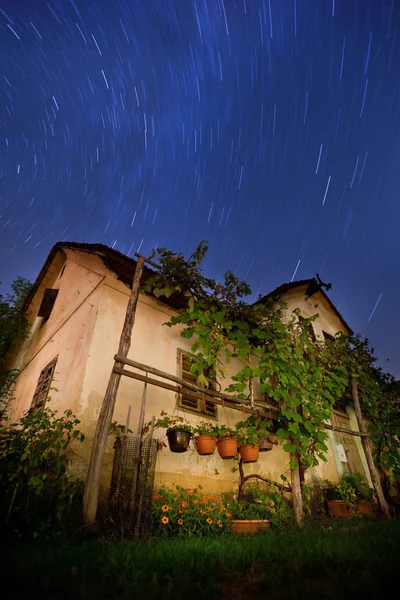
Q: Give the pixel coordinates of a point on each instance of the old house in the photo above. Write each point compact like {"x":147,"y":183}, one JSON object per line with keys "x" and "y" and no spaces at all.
{"x":76,"y":312}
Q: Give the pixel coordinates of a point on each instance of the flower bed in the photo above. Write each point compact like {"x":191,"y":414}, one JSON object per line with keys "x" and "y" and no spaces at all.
{"x":188,"y":512}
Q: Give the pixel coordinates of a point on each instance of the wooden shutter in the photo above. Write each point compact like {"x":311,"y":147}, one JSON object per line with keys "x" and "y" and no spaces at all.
{"x":353,"y":464}
{"x":188,"y":400}
{"x":43,"y":386}
{"x":47,"y":304}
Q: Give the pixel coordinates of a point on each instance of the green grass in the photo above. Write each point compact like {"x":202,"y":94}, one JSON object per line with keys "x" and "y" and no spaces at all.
{"x":342,"y":560}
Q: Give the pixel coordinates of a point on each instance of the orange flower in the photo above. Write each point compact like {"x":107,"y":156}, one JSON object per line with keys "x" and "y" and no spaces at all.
{"x":180,"y":521}
{"x":228,"y":514}
{"x":165,"y":508}
{"x":202,"y":511}
{"x":209,"y":521}
{"x":180,"y":511}
{"x":195,"y":501}
{"x":220,"y":524}
{"x":184,"y":503}
{"x":164,"y":520}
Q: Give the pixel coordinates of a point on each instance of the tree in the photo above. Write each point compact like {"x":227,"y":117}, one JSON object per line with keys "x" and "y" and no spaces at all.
{"x":13,"y":329}
{"x":302,"y":377}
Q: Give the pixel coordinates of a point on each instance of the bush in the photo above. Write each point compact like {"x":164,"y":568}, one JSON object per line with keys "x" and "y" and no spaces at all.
{"x":186,"y":512}
{"x":37,"y":495}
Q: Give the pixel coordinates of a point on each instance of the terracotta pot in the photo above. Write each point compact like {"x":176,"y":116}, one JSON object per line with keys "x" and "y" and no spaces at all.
{"x":338,"y":508}
{"x":249,"y":527}
{"x":365,"y":508}
{"x":178,"y":439}
{"x":205,"y":444}
{"x":227,"y":448}
{"x":265,"y":445}
{"x":249,"y":453}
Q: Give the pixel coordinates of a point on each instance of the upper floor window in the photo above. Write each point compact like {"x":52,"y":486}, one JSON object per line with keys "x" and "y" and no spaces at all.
{"x":309,"y":328}
{"x":43,"y":386}
{"x":47,"y":304}
{"x":193,"y":401}
{"x":328,"y":336}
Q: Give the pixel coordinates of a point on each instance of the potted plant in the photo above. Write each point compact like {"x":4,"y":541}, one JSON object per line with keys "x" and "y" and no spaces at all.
{"x":343,"y":505}
{"x":205,"y":438}
{"x":248,"y":435}
{"x":364,"y":493}
{"x":226,"y":442}
{"x":250,"y":518}
{"x":179,"y":433}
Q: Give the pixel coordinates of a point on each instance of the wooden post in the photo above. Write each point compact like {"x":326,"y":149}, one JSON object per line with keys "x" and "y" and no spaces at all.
{"x":92,"y":486}
{"x":368,"y":452}
{"x":295,"y":484}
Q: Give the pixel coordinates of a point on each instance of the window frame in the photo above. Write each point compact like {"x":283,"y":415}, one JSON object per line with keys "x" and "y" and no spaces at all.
{"x":179,"y":396}
{"x":43,"y":386}
{"x":47,"y":304}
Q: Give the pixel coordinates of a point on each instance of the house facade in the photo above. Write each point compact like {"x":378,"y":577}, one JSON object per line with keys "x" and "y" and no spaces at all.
{"x":76,"y":312}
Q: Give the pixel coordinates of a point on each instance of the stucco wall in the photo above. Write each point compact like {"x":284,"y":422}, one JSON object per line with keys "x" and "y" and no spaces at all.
{"x":66,"y":334}
{"x":157,"y":346}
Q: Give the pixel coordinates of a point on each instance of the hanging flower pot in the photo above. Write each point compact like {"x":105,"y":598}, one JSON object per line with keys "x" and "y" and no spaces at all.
{"x":178,"y":439}
{"x":227,"y":447}
{"x":249,"y":453}
{"x":205,"y":444}
{"x":265,"y":445}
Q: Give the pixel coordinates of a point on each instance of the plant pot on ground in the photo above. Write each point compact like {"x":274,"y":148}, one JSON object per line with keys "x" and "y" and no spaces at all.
{"x":339,"y":508}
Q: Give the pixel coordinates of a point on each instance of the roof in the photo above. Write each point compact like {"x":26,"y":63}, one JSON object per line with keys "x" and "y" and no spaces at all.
{"x":124,"y":267}
{"x":312,"y":288}
{"x":120,"y":264}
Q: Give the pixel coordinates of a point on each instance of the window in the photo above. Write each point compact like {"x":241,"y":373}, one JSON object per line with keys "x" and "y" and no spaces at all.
{"x":43,"y":386}
{"x":328,"y":336}
{"x":188,"y":400}
{"x":309,"y":328}
{"x":47,"y":304}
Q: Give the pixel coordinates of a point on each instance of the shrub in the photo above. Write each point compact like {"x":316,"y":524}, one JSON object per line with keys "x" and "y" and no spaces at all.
{"x":187,"y":512}
{"x":37,"y":495}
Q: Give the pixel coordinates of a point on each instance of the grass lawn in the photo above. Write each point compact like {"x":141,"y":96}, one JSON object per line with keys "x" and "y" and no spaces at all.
{"x":337,"y":560}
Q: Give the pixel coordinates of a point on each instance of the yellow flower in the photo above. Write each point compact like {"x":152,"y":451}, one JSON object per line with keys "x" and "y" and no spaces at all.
{"x":202,"y":511}
{"x":180,"y":511}
{"x":180,"y":521}
{"x":209,"y":521}
{"x":165,"y":508}
{"x":164,"y":520}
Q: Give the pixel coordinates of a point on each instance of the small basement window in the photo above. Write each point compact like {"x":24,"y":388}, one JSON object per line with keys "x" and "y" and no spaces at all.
{"x":188,"y":400}
{"x":43,"y":386}
{"x":47,"y":304}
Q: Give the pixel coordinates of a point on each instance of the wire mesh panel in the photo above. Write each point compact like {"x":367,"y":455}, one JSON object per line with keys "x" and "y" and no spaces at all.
{"x":132,"y":479}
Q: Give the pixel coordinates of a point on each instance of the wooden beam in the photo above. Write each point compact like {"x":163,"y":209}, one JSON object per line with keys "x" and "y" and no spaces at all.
{"x":92,"y":485}
{"x":180,"y":386}
{"x":213,"y":396}
{"x":191,"y":386}
{"x":368,"y":452}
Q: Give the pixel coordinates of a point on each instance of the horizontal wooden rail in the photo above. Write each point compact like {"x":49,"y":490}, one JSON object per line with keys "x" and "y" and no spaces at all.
{"x":219,"y":398}
{"x":180,"y":386}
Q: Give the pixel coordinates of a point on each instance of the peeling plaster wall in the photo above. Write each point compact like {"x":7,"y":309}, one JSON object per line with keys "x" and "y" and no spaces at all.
{"x":157,"y":346}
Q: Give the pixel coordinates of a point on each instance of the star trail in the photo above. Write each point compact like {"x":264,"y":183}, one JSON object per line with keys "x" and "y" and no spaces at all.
{"x":269,"y":127}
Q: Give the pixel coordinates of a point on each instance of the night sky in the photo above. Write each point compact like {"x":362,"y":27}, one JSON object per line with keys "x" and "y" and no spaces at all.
{"x":270,"y":128}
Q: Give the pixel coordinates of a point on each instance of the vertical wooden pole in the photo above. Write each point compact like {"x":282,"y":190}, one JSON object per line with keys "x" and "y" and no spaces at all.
{"x":368,"y":452}
{"x":296,"y":489}
{"x":92,"y":486}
